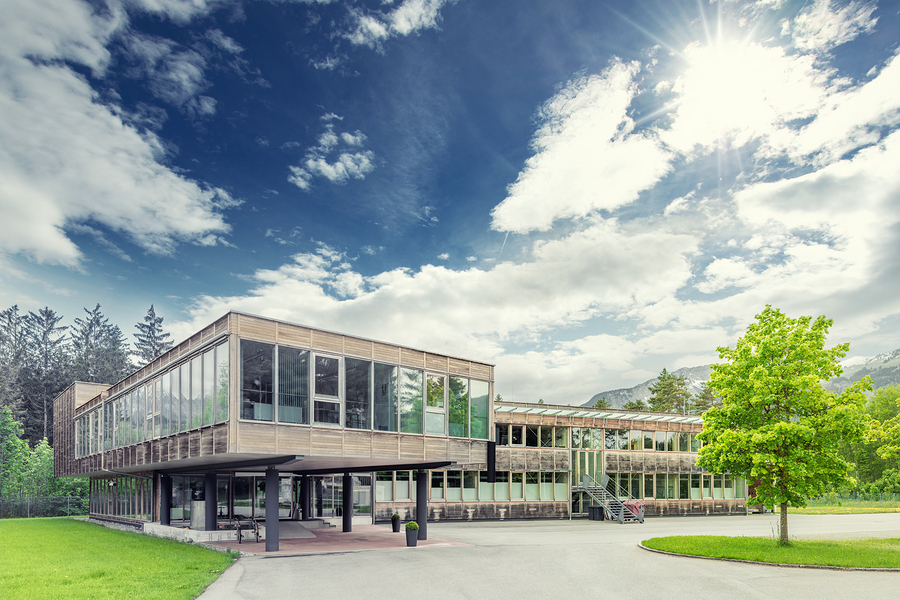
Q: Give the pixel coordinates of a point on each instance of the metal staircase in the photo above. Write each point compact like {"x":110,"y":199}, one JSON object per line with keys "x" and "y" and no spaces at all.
{"x":608,"y":495}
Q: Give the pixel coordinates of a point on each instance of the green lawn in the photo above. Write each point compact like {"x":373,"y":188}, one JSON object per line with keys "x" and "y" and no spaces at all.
{"x":843,"y":510}
{"x":871,"y":553}
{"x":63,"y":558}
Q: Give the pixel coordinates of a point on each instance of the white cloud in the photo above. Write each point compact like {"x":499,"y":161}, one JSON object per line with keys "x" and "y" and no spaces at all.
{"x":68,"y":159}
{"x":820,"y":28}
{"x":587,"y":155}
{"x":443,"y":256}
{"x":371,"y":28}
{"x":336,"y":169}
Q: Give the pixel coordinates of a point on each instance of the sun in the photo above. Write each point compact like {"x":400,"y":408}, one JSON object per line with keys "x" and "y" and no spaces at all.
{"x":733,"y":91}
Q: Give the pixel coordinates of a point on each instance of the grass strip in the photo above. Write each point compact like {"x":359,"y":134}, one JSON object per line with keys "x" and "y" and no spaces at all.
{"x":872,"y":553}
{"x":64,"y":558}
{"x":841,"y":510}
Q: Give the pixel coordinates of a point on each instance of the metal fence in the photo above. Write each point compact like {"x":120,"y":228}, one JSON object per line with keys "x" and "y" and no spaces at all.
{"x":43,"y":506}
{"x":852,"y":498}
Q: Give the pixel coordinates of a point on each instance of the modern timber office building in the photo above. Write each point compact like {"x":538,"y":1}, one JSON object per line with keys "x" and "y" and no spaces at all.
{"x":266,"y":419}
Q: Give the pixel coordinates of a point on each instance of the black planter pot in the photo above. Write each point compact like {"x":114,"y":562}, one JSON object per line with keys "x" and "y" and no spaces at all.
{"x":395,"y":525}
{"x":412,"y":536}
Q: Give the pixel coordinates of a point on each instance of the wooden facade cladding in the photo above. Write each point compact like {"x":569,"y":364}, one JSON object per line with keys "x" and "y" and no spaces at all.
{"x":269,"y":438}
{"x":519,"y":458}
{"x":189,"y":444}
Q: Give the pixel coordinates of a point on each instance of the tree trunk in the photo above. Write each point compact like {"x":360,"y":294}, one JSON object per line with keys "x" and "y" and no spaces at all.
{"x":783,"y":541}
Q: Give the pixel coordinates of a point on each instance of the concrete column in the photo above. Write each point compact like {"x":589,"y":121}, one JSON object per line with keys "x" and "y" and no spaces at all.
{"x":305,"y":498}
{"x":422,"y":503}
{"x":211,"y":506}
{"x":348,"y":502}
{"x":272,"y":509}
{"x":165,"y":500}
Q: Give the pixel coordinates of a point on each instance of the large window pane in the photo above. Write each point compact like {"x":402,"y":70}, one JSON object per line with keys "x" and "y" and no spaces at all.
{"x":502,"y":434}
{"x":648,"y":440}
{"x":532,"y":491}
{"x":559,"y":435}
{"x":434,"y":423}
{"x":327,"y":376}
{"x":196,"y":391}
{"x":531,"y":436}
{"x":184,"y":396}
{"x":623,"y":439}
{"x":546,"y":436}
{"x":437,"y":485}
{"x":140,"y":416}
{"x":648,"y":485}
{"x":293,"y":385}
{"x":684,"y":441}
{"x":611,"y":438}
{"x":684,"y":486}
{"x":485,"y":489}
{"x":384,"y":486}
{"x":385,"y":397}
{"x":209,"y":384}
{"x":157,"y":408}
{"x":695,"y":443}
{"x":459,"y":407}
{"x":470,"y":485}
{"x":435,"y":391}
{"x":167,"y":423}
{"x":515,"y":435}
{"x":661,"y":486}
{"x":636,"y":440}
{"x":411,"y":384}
{"x":695,"y":486}
{"x":222,"y":385}
{"x":479,"y":418}
{"x":256,"y":380}
{"x":454,"y":486}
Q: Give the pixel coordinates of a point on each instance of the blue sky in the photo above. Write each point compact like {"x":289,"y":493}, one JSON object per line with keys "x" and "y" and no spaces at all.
{"x":582,"y":193}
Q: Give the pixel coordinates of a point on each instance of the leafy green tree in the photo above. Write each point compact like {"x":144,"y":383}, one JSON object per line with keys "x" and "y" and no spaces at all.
{"x":14,"y":453}
{"x":13,"y":345}
{"x":669,"y":393}
{"x":703,"y":401}
{"x":151,"y":340}
{"x":778,"y":427}
{"x":636,"y":404}
{"x":885,"y":405}
{"x":601,"y":403}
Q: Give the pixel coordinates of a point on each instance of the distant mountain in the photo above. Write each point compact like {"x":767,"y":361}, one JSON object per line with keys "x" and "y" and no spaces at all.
{"x":884,"y":369}
{"x":694,"y":376}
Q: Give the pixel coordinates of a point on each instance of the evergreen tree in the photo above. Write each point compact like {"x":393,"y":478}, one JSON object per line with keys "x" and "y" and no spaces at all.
{"x":12,"y":356}
{"x":100,"y":352}
{"x":46,"y":373}
{"x":151,"y":341}
{"x":703,"y":401}
{"x":669,"y":393}
{"x":601,"y":403}
{"x":637,"y":404}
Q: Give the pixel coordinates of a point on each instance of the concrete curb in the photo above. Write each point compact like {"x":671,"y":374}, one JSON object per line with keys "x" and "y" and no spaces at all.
{"x":768,"y":564}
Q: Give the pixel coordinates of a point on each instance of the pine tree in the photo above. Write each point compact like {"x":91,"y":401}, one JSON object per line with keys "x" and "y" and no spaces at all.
{"x":703,"y":401}
{"x":637,"y":404}
{"x":151,"y":341}
{"x":601,"y":403}
{"x":669,"y":393}
{"x":12,"y":356}
{"x":100,"y":352}
{"x":46,"y":373}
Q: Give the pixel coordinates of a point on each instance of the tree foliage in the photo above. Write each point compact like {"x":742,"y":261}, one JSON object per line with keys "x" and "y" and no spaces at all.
{"x":151,"y":340}
{"x":703,"y":401}
{"x":669,"y":393}
{"x":778,"y":427}
{"x":100,"y":352}
{"x":601,"y":403}
{"x":637,"y":404}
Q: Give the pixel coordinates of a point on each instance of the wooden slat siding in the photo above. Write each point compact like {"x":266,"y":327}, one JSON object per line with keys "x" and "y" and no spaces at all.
{"x":481,"y":371}
{"x":221,"y":439}
{"x":459,"y":451}
{"x":501,"y":459}
{"x":293,"y":335}
{"x":206,"y":441}
{"x":256,"y":329}
{"x":386,"y":353}
{"x":385,"y":444}
{"x":357,"y":444}
{"x":436,"y":448}
{"x":458,"y":367}
{"x":412,"y":358}
{"x":412,"y":447}
{"x":256,"y":437}
{"x":293,"y":440}
{"x":434,"y":362}
{"x":184,"y":446}
{"x":326,"y":442}
{"x":329,"y":342}
{"x":357,"y":347}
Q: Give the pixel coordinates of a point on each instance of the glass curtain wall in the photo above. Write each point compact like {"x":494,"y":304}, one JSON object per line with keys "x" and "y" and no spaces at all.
{"x":293,"y":385}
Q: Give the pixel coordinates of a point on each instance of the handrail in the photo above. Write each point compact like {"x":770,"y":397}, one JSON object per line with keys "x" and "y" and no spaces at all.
{"x":610,"y":500}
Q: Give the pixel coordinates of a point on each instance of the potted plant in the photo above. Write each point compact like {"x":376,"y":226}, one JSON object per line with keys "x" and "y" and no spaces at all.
{"x":395,"y":523}
{"x":412,"y":533}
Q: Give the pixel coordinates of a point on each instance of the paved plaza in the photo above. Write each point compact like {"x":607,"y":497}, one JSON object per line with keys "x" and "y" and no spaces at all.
{"x":555,"y":559}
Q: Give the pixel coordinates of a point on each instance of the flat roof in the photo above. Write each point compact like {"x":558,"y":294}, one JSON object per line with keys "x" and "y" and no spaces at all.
{"x":596,"y":413}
